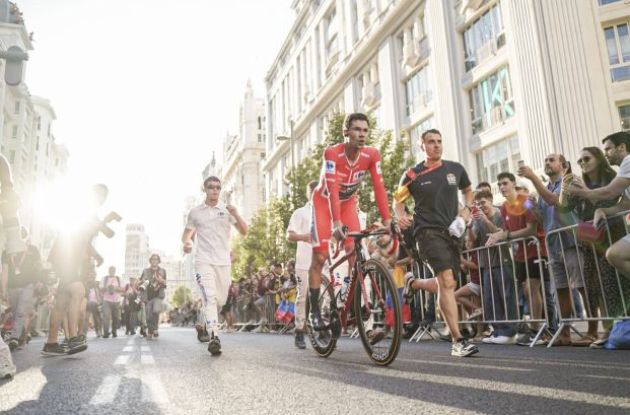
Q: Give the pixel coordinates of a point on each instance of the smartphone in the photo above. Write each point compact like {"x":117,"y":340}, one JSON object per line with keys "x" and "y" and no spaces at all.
{"x":568,"y":169}
{"x":521,"y":163}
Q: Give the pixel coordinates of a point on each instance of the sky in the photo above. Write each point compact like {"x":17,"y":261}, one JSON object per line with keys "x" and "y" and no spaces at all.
{"x":144,"y":91}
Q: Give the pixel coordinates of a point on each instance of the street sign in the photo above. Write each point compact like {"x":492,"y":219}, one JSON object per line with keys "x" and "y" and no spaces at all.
{"x":14,"y":69}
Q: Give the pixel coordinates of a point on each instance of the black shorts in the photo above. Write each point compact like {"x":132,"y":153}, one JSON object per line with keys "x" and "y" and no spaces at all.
{"x":534,"y":270}
{"x":439,"y":249}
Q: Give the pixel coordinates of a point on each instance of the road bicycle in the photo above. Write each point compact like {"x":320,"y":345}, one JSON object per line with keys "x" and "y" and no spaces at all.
{"x":371,"y":303}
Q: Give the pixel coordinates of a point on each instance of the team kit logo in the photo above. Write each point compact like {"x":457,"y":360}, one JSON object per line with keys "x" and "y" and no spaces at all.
{"x":451,"y":179}
{"x":330,"y":166}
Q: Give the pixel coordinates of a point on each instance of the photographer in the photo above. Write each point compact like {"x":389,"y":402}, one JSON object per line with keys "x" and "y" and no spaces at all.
{"x":111,"y":303}
{"x":154,"y":281}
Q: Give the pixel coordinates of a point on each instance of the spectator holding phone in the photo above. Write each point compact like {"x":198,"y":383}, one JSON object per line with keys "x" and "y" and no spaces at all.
{"x":597,"y":174}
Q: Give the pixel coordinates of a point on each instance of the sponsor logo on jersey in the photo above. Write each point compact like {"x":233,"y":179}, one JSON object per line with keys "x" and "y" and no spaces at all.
{"x":358,"y":176}
{"x":451,"y":179}
{"x":330,"y":166}
{"x":378,"y":167}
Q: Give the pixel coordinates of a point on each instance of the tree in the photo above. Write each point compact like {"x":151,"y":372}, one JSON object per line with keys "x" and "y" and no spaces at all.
{"x":181,"y":295}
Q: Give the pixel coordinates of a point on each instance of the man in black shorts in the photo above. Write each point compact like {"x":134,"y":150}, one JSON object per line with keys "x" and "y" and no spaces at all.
{"x":434,"y":185}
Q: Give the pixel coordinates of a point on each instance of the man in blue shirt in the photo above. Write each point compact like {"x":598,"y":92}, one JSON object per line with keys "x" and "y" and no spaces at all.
{"x":564,"y":260}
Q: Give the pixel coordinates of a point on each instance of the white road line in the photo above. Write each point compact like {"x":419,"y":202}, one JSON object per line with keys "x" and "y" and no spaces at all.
{"x":25,"y":386}
{"x":122,"y":359}
{"x":129,"y":349}
{"x":152,"y":388}
{"x":131,"y":341}
{"x":507,"y":387}
{"x":107,"y":390}
{"x":145,"y":348}
{"x":147,"y":359}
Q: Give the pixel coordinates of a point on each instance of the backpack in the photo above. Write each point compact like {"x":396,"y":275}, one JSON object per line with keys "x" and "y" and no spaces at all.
{"x":619,"y":338}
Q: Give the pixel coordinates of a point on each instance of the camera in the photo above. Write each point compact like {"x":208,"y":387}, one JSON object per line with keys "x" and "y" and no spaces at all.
{"x":143,"y":286}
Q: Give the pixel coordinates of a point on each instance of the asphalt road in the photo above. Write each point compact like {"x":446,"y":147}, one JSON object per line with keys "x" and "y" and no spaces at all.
{"x":265,"y":374}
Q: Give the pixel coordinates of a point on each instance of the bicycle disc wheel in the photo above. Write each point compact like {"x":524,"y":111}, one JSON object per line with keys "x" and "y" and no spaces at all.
{"x":323,"y":341}
{"x":380,"y":320}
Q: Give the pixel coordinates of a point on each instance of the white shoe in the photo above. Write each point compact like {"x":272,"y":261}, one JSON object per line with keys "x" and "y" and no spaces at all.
{"x":500,"y":340}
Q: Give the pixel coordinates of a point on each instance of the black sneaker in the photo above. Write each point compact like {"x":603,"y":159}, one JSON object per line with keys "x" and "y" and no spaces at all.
{"x":77,"y":344}
{"x":54,"y":349}
{"x":462,"y":348}
{"x":106,"y":336}
{"x":214,"y":346}
{"x":316,"y":321}
{"x":299,"y":339}
{"x":13,"y":344}
{"x":202,"y":334}
{"x":114,"y":334}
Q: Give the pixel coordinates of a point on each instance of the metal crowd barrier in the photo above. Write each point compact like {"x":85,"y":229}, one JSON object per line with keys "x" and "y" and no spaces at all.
{"x":499,"y":298}
{"x":242,"y":310}
{"x":603,"y":288}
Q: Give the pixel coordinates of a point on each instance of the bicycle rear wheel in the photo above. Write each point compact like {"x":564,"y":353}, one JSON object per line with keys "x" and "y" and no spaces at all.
{"x":323,"y":341}
{"x":380,"y":320}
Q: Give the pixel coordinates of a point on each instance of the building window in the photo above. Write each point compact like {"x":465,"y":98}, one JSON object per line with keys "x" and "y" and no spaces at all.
{"x":415,"y":134}
{"x":16,"y":110}
{"x":332,"y":43}
{"x":418,"y":90}
{"x":605,"y":2}
{"x":618,"y":45}
{"x":497,"y":158}
{"x":624,"y":115}
{"x":491,"y":101}
{"x":484,"y":37}
{"x":12,"y":157}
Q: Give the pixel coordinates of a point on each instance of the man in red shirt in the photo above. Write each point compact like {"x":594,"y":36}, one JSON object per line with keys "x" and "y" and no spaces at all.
{"x":521,"y":222}
{"x":335,"y":202}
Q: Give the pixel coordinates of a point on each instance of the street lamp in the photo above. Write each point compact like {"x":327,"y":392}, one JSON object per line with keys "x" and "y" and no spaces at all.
{"x":290,"y":140}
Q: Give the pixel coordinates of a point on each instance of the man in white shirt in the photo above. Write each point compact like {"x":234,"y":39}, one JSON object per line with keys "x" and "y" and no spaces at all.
{"x":617,"y":151}
{"x":211,"y":223}
{"x":299,"y":231}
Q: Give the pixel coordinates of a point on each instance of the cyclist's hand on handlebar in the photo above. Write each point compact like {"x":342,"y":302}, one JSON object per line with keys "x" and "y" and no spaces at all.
{"x":340,"y":232}
{"x":404,"y":222}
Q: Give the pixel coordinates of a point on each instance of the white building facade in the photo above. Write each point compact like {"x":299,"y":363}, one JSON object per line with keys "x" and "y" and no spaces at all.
{"x":242,"y":184}
{"x":26,"y":138}
{"x":502,"y":80}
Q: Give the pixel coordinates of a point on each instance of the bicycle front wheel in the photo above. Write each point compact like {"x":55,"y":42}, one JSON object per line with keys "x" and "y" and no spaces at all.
{"x":378,"y":315}
{"x":324,"y":341}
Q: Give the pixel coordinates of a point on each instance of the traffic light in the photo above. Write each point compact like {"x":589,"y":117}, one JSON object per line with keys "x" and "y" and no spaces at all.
{"x":14,"y":68}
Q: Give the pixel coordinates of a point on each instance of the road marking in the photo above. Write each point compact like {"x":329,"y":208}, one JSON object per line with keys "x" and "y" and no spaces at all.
{"x":25,"y":386}
{"x":608,"y":377}
{"x":145,"y":348}
{"x":132,"y":341}
{"x":147,"y":359}
{"x":129,"y":349}
{"x":505,"y":387}
{"x":107,"y":390}
{"x":461,"y":364}
{"x":122,"y":359}
{"x":152,"y":388}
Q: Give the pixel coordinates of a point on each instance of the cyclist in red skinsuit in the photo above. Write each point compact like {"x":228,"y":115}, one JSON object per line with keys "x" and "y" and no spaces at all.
{"x":334,"y":200}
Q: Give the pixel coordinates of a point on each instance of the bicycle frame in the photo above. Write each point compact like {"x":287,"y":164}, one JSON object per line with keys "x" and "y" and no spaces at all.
{"x":356,"y":273}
